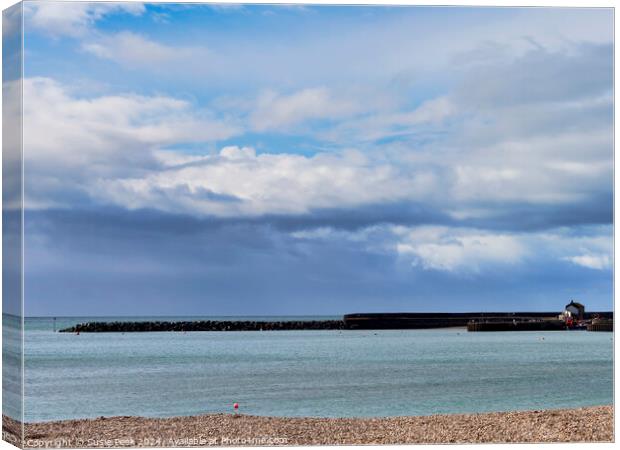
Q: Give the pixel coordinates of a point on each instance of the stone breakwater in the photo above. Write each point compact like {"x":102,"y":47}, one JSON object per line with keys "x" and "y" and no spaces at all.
{"x":204,"y":325}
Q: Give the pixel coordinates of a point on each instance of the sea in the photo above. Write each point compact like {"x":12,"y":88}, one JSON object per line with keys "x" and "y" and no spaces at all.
{"x":324,"y":373}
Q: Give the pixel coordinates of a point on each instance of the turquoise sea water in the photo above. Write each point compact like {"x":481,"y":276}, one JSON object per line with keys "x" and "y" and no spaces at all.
{"x":310,"y":373}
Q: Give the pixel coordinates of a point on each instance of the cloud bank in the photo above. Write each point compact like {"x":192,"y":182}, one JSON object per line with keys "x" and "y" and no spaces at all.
{"x":465,"y":162}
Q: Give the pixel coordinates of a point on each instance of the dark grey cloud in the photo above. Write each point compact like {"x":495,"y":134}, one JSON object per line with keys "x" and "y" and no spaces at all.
{"x":146,"y":262}
{"x":517,"y":216}
{"x":498,"y":216}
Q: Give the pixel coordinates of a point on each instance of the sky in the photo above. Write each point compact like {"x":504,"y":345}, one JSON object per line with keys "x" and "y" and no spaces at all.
{"x":189,"y":159}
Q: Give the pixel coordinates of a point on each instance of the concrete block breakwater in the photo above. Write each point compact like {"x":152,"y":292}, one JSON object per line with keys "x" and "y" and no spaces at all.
{"x":203,"y":325}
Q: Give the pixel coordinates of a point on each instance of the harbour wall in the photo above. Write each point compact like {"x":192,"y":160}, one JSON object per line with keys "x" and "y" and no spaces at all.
{"x":601,"y":325}
{"x":359,"y":321}
{"x":444,"y":320}
{"x":535,"y":325}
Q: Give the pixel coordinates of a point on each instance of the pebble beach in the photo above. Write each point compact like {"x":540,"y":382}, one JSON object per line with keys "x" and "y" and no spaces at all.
{"x":588,"y":424}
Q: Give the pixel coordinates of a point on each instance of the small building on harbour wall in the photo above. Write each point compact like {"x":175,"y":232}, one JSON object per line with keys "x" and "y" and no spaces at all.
{"x":576,"y":310}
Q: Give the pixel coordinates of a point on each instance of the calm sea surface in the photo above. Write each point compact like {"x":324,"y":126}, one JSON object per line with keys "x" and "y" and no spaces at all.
{"x":310,"y":373}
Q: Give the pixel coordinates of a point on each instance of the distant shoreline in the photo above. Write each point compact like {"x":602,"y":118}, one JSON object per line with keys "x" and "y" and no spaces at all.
{"x":587,"y":424}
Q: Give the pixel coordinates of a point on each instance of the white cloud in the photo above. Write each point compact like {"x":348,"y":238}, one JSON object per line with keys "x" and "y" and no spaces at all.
{"x":594,"y":251}
{"x":470,"y":251}
{"x":542,"y":150}
{"x":365,"y":51}
{"x":112,"y":148}
{"x":234,"y":152}
{"x":120,"y":137}
{"x":355,"y":114}
{"x":267,"y":184}
{"x":133,"y":50}
{"x":455,"y":250}
{"x":598,"y":262}
{"x":388,"y":124}
{"x":68,"y":137}
{"x":275,"y":111}
{"x":73,"y":18}
{"x":58,"y":123}
{"x":559,"y":168}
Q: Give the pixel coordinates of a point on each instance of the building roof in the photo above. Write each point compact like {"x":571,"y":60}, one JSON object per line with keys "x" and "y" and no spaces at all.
{"x":575,"y":304}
